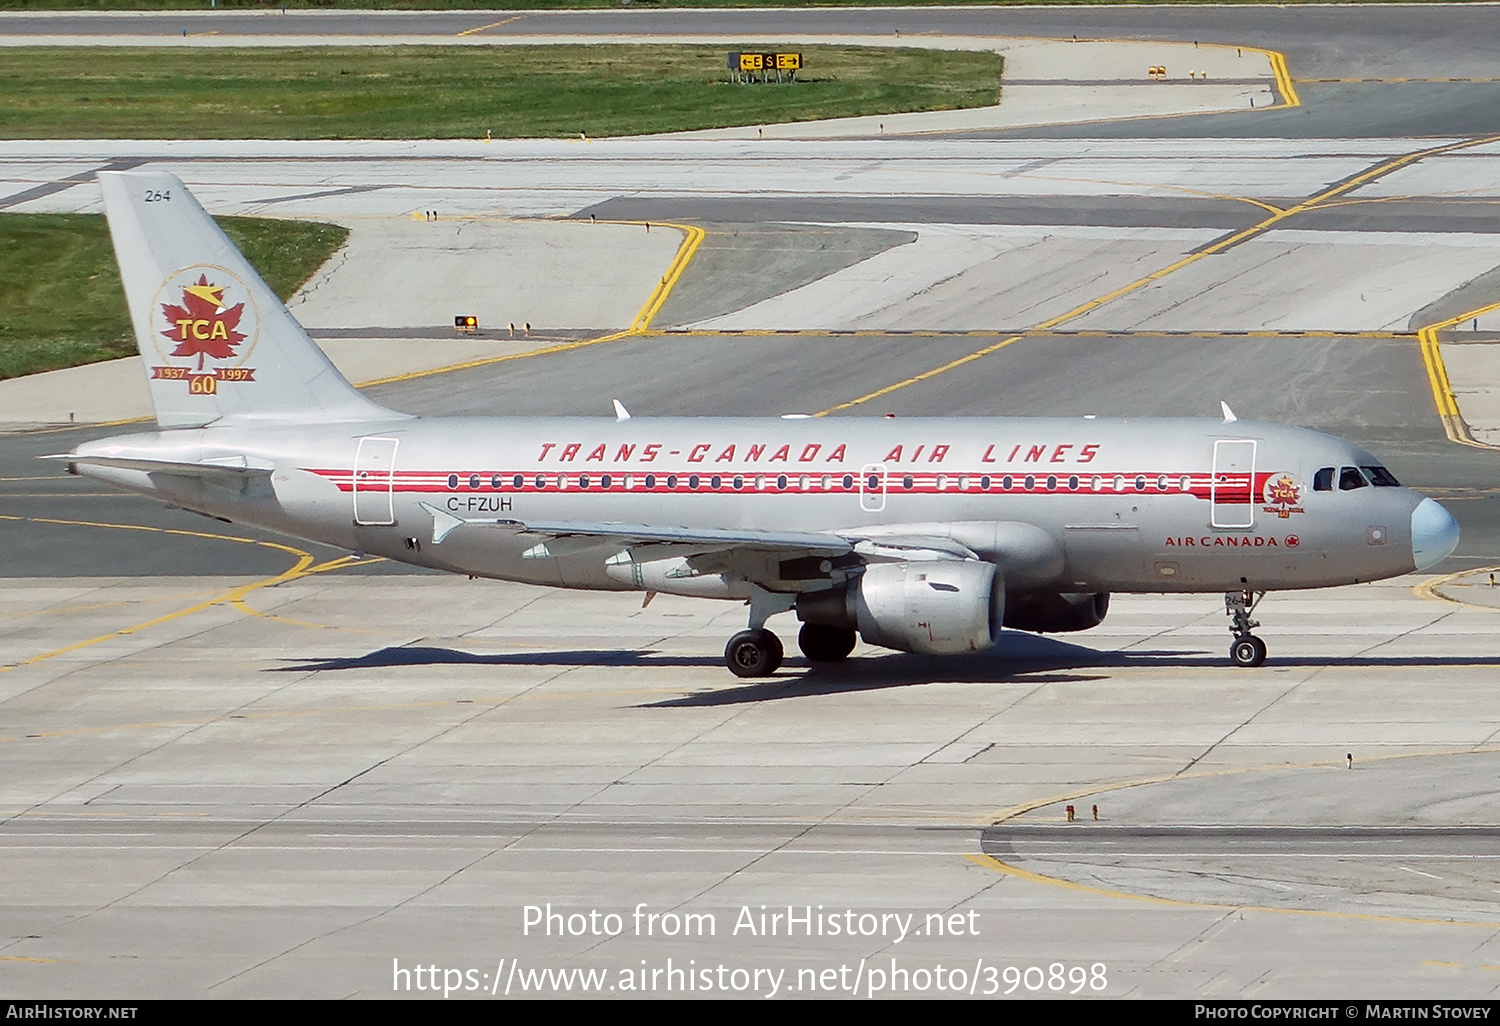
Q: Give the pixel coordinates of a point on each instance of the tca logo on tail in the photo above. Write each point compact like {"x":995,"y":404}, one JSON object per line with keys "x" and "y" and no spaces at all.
{"x":209,"y":317}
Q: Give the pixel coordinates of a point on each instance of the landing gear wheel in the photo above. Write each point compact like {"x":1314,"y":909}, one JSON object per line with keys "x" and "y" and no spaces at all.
{"x":753,"y":653}
{"x":1247,"y":651}
{"x":823,"y":644}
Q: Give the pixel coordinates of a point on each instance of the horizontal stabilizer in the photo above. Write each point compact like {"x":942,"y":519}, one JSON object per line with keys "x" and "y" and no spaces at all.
{"x":221,"y":471}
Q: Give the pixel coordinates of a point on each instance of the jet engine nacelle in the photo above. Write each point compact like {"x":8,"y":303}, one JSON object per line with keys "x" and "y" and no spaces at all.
{"x":1054,"y":612}
{"x":942,"y":607}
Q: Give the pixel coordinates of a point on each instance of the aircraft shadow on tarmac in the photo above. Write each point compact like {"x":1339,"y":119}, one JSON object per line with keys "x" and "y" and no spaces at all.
{"x":1019,"y":658}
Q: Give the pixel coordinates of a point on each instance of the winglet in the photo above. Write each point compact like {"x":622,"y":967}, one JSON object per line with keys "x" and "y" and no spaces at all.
{"x":1229,"y":416}
{"x":621,"y":413}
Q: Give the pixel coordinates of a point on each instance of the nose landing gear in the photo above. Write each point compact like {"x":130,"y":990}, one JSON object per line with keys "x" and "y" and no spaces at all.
{"x":1246,"y":649}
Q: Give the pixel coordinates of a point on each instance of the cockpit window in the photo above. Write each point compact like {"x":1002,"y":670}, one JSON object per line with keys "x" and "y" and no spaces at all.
{"x":1350,"y":478}
{"x":1323,"y":480}
{"x":1381,"y":478}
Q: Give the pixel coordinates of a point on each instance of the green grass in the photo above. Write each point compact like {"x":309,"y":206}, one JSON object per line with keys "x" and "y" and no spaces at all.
{"x":61,"y":303}
{"x":457,"y":92}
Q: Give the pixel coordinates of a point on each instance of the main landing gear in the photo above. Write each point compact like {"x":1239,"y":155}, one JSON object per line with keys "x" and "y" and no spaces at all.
{"x":753,"y":653}
{"x":1246,"y":649}
{"x":824,"y":644}
{"x":756,"y":652}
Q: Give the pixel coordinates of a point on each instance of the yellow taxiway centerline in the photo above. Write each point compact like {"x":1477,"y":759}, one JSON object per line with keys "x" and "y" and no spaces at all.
{"x":304,"y":559}
{"x":692,"y":239}
{"x":1355,"y":181}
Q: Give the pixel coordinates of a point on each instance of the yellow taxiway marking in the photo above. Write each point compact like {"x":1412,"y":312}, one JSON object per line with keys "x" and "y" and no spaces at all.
{"x":692,"y":239}
{"x":986,"y":351}
{"x":1284,"y":86}
{"x":669,"y":280}
{"x":1347,"y":185}
{"x":1013,"y":811}
{"x":493,"y":24}
{"x":24,"y":958}
{"x":990,"y":862}
{"x":1429,"y":589}
{"x":341,"y":563}
{"x":1453,"y":197}
{"x":1437,"y":376}
{"x":304,"y":560}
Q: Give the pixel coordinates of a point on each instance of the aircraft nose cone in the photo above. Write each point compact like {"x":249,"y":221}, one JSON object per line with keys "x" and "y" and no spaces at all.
{"x":1434,"y":534}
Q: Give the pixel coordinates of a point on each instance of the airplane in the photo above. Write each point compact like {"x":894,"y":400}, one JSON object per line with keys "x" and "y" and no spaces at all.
{"x":926,"y":535}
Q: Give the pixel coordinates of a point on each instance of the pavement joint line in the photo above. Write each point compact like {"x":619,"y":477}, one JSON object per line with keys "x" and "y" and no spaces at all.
{"x":1026,"y":332}
{"x":1006,"y":868}
{"x":487,"y":850}
{"x":93,"y":606}
{"x":494,"y":701}
{"x":1397,"y":80}
{"x":1011,"y":812}
{"x":1230,"y":197}
{"x":54,"y":186}
{"x":1348,"y":184}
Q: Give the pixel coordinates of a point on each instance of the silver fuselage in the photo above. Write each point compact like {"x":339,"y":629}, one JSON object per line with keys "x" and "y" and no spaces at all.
{"x":1112,"y":504}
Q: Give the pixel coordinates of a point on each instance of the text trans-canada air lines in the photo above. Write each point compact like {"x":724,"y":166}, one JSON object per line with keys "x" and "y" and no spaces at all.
{"x":920,"y":535}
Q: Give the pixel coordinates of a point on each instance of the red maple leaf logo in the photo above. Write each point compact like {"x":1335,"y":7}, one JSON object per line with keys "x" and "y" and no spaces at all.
{"x":202,"y":326}
{"x":1283,"y":491}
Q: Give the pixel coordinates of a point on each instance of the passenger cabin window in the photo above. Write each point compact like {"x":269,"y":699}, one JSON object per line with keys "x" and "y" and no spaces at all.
{"x":1350,"y":478}
{"x":1323,"y":480}
{"x":1381,"y":478}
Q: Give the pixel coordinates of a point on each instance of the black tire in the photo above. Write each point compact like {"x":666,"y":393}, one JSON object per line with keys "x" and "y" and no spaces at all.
{"x":753,"y":654}
{"x":1247,"y":651}
{"x":823,"y":644}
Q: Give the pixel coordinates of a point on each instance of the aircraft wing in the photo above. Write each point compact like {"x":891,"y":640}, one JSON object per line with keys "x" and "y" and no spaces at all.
{"x":774,"y":560}
{"x":445,"y":523}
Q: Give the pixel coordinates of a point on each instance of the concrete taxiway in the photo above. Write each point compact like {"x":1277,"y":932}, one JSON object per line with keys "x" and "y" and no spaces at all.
{"x":243,"y":766}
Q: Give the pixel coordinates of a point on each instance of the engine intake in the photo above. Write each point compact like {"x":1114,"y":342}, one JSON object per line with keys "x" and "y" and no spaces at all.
{"x":941,"y":607}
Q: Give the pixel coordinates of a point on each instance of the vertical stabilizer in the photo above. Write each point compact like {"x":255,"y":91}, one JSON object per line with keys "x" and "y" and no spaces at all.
{"x":216,"y":341}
